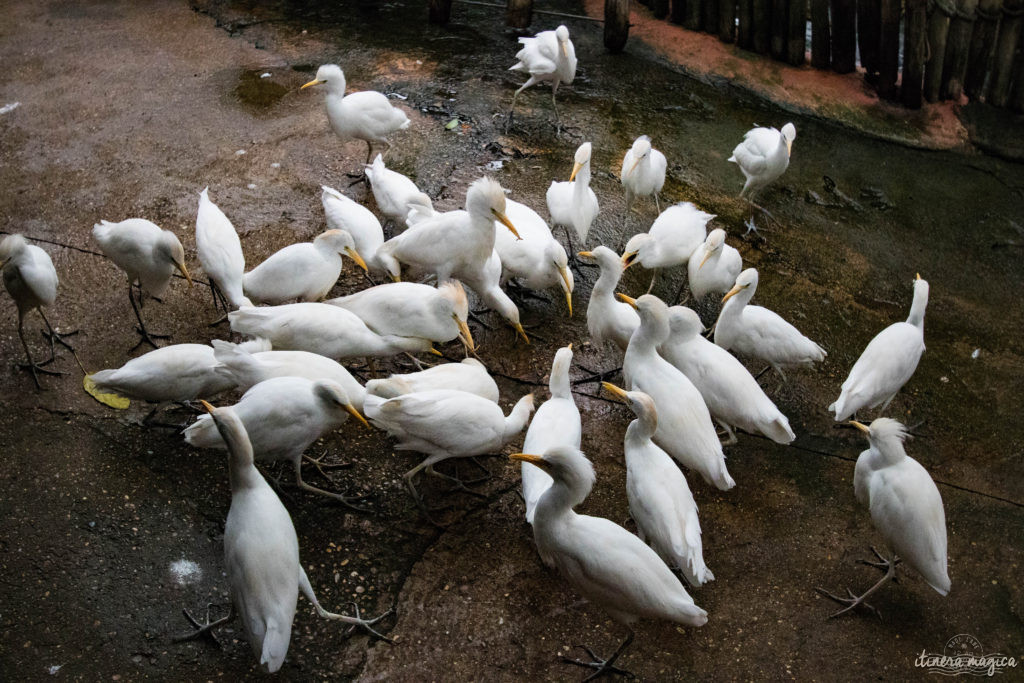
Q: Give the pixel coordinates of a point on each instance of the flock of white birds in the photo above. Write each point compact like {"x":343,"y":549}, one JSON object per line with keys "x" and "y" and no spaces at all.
{"x":677,"y":382}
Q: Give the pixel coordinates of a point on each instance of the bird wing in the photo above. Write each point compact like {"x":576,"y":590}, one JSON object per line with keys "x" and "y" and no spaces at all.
{"x":430,"y":244}
{"x":38,"y":274}
{"x":375,"y":111}
{"x":539,"y":54}
{"x":455,"y":422}
{"x":776,"y":339}
{"x":887,"y":363}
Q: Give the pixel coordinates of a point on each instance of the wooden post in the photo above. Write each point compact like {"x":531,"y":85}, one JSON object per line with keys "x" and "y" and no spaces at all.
{"x":693,"y":15}
{"x":796,"y":33}
{"x":709,"y":18}
{"x":660,"y":9}
{"x":888,"y":49}
{"x":519,"y":13}
{"x":616,"y":24}
{"x":678,"y":15}
{"x":780,"y":21}
{"x":821,"y":35}
{"x":915,"y":41}
{"x":1006,"y":47}
{"x":938,"y":28}
{"x":745,"y":30}
{"x":983,"y":44}
{"x":958,"y":48}
{"x":762,"y":25}
{"x":844,"y":35}
{"x":869,"y":13}
{"x":440,"y":11}
{"x":727,"y":20}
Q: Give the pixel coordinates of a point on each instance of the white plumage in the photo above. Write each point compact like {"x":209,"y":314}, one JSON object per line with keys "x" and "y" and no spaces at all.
{"x":549,"y":57}
{"x":469,"y":375}
{"x":305,"y":271}
{"x":487,"y":285}
{"x":732,"y":395}
{"x":676,"y":233}
{"x":763,"y":156}
{"x":607,"y":318}
{"x":536,"y":258}
{"x":557,"y":423}
{"x":685,"y":429}
{"x":713,"y":266}
{"x":757,"y":332}
{"x":643,"y":171}
{"x":573,"y":204}
{"x":889,"y":360}
{"x":346,"y":214}
{"x":220,"y":252}
{"x":393,"y":191}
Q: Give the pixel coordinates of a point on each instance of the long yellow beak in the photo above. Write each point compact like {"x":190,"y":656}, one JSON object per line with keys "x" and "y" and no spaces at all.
{"x":565,"y":51}
{"x":209,"y":408}
{"x":351,"y":410}
{"x":521,"y":331}
{"x":467,"y":336}
{"x":500,"y":216}
{"x":435,"y":352}
{"x":575,"y":169}
{"x":184,"y":271}
{"x":861,"y":426}
{"x":532,"y":459}
{"x":732,"y":292}
{"x":354,"y":255}
{"x":628,"y":259}
{"x":627,"y":299}
{"x":617,"y":392}
{"x":312,"y":82}
{"x":585,"y":254}
{"x":707,"y":255}
{"x":570,"y":346}
{"x":567,"y":287}
{"x":919,"y":276}
{"x":635,"y":164}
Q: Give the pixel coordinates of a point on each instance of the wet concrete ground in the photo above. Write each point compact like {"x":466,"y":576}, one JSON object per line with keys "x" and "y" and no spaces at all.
{"x":129,"y":110}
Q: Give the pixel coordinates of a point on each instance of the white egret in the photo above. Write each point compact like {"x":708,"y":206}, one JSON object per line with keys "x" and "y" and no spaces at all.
{"x":609,"y":566}
{"x":887,"y":363}
{"x":445,"y":423}
{"x":261,"y":556}
{"x":487,"y":285}
{"x":283,"y":416}
{"x":392,"y":190}
{"x":607,"y":318}
{"x":148,"y":255}
{"x":245,"y":367}
{"x":573,"y":204}
{"x":320,"y":328}
{"x":732,"y":395}
{"x":536,"y":259}
{"x":557,"y":423}
{"x":420,"y":207}
{"x":220,"y":254}
{"x":31,"y":280}
{"x":675,"y":234}
{"x":470,"y":375}
{"x":713,"y":267}
{"x":367,"y":115}
{"x":409,"y":309}
{"x":685,"y":429}
{"x":660,"y":501}
{"x":643,"y":172}
{"x":305,"y":271}
{"x":759,"y":333}
{"x":548,"y":56}
{"x":763,"y":156}
{"x":346,"y":214}
{"x":905,"y":507}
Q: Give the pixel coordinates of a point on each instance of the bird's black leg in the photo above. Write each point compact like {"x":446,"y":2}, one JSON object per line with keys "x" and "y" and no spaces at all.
{"x":31,"y":366}
{"x":459,"y":484}
{"x":602,"y":666}
{"x":147,"y":337}
{"x":204,"y":630}
{"x":347,"y":501}
{"x":854,"y":601}
{"x":52,"y":336}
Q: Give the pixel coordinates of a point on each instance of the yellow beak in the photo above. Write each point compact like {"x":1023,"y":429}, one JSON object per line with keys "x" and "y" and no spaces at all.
{"x":615,"y":391}
{"x":627,"y":299}
{"x":628,"y":259}
{"x":500,"y":216}
{"x":312,"y":82}
{"x":209,"y":408}
{"x":532,"y":459}
{"x":862,"y":427}
{"x":354,"y":255}
{"x":570,"y":346}
{"x":467,"y":336}
{"x":575,"y":169}
{"x":567,"y":287}
{"x":435,"y":352}
{"x":184,"y":271}
{"x":351,"y":410}
{"x":707,"y":255}
{"x":789,"y":147}
{"x":635,"y":164}
{"x":919,"y":276}
{"x":521,"y":331}
{"x":585,"y":254}
{"x":733,"y":292}
{"x":565,"y":51}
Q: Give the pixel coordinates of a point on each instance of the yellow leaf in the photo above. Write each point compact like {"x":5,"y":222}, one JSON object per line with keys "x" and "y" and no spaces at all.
{"x":112,"y":400}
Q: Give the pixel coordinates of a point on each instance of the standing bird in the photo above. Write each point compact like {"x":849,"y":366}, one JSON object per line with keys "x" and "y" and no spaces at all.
{"x":31,"y":280}
{"x":220,"y":254}
{"x":366,"y":115}
{"x":733,"y":396}
{"x":536,"y":259}
{"x":673,"y":238}
{"x":283,"y":416}
{"x":609,"y":566}
{"x":346,"y":214}
{"x":305,"y":271}
{"x":261,"y":556}
{"x":643,"y":172}
{"x":763,"y":156}
{"x":713,"y":267}
{"x":548,"y":56}
{"x":660,"y":501}
{"x":557,"y":423}
{"x":469,"y":375}
{"x":887,"y":363}
{"x":685,"y":429}
{"x":573,"y":204}
{"x":906,"y":509}
{"x":760,"y":333}
{"x":148,"y":255}
{"x":607,"y":318}
{"x":392,"y":191}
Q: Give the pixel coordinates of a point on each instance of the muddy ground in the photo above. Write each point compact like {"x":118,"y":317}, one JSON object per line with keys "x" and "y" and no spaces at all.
{"x":130,"y":109}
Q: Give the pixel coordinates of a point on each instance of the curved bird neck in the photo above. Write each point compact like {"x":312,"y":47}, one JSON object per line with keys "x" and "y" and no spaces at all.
{"x":916,"y":317}
{"x":641,"y":430}
{"x":559,"y":382}
{"x":582,"y":182}
{"x":607,"y":281}
{"x":516,"y":420}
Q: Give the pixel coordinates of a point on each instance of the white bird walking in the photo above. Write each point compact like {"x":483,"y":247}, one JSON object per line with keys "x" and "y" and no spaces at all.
{"x":887,"y":363}
{"x":548,"y":56}
{"x":367,"y":115}
{"x":409,"y":309}
{"x":392,"y":191}
{"x":759,"y":333}
{"x":283,"y":416}
{"x":660,"y":501}
{"x":609,"y":566}
{"x":305,"y":271}
{"x":470,"y":375}
{"x":148,"y":255}
{"x":685,"y":429}
{"x":763,"y":157}
{"x":607,"y":318}
{"x":346,"y":214}
{"x":713,"y":266}
{"x":220,"y":254}
{"x":557,"y":423}
{"x":31,"y":280}
{"x":906,"y":509}
{"x":320,"y":328}
{"x":732,"y":395}
{"x":643,"y":172}
{"x":573,"y":204}
{"x":536,"y":258}
{"x":261,"y":556}
{"x":675,"y":234}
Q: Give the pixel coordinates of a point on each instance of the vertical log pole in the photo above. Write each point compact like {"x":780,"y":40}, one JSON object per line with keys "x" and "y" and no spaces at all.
{"x":888,"y":49}
{"x":709,"y":20}
{"x":869,"y":13}
{"x":745,"y":30}
{"x":678,"y":15}
{"x":660,"y":9}
{"x":727,"y":20}
{"x":844,"y":35}
{"x":519,"y":13}
{"x":938,"y":29}
{"x":983,"y":43}
{"x":796,"y":33}
{"x":616,"y":24}
{"x":693,"y":15}
{"x":915,"y":45}
{"x":440,"y":11}
{"x":958,"y":48}
{"x":762,"y":25}
{"x":780,"y":21}
{"x":821,"y":35}
{"x":1006,"y":47}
